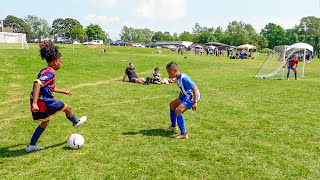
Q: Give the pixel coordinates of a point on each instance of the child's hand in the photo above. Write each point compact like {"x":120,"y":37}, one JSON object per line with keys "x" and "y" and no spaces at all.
{"x":68,"y":93}
{"x":35,"y":107}
{"x":194,"y":106}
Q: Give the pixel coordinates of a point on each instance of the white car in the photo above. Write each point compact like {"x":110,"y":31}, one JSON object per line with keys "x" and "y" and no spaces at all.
{"x":96,"y":42}
{"x":136,"y":45}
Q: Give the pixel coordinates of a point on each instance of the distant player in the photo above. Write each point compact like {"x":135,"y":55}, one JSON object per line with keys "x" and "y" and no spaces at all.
{"x":188,"y":98}
{"x":292,"y":64}
{"x":43,"y":104}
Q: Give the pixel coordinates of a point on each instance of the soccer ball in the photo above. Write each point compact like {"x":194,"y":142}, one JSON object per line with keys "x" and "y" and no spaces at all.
{"x":75,"y":141}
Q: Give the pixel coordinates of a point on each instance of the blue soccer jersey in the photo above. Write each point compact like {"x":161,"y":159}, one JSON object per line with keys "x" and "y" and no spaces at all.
{"x":186,"y":84}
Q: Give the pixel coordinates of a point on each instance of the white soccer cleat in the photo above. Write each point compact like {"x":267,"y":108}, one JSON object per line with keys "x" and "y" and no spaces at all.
{"x":82,"y":120}
{"x":31,"y":148}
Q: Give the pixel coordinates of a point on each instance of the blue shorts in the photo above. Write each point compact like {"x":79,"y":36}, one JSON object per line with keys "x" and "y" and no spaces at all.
{"x":185,"y":102}
{"x":291,"y":67}
{"x":46,"y":112}
{"x":133,"y":79}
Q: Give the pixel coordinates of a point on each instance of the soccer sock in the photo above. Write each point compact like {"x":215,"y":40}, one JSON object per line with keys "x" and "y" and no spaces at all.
{"x":73,"y":119}
{"x":288,"y":74}
{"x":173,"y":118}
{"x":181,"y":124}
{"x":37,"y":133}
{"x":295,"y":75}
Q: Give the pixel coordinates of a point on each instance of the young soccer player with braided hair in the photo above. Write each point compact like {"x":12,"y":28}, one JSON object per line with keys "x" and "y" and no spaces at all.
{"x":188,"y":98}
{"x":43,"y":104}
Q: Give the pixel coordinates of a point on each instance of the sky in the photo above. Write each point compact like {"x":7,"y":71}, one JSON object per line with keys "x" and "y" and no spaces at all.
{"x":165,"y":15}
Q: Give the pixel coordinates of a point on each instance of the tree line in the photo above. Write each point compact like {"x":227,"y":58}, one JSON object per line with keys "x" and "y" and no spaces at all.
{"x":236,"y":33}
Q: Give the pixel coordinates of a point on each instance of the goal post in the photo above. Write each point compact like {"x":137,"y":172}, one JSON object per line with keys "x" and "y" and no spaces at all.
{"x":272,"y":67}
{"x":13,"y":41}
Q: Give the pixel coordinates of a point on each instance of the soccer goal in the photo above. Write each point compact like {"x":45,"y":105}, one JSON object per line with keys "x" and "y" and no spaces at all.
{"x":13,"y":41}
{"x":272,"y":67}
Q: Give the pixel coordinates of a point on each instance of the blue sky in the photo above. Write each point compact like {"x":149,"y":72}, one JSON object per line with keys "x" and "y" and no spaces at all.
{"x":165,"y":15}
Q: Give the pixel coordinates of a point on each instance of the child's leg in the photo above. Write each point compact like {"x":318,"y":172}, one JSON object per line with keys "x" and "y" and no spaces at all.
{"x":37,"y":133}
{"x":70,"y":115}
{"x":288,"y":74}
{"x":173,"y":105}
{"x":295,"y":74}
{"x":179,"y":110}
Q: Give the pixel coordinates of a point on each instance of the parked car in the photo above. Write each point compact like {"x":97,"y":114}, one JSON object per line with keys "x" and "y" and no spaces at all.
{"x":96,"y":42}
{"x":136,"y":45}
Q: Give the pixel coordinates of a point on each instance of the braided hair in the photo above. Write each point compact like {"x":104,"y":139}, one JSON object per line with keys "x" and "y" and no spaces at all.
{"x":49,"y":51}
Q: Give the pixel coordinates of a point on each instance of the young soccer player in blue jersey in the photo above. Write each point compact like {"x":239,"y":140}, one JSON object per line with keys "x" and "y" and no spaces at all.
{"x":43,"y":105}
{"x":188,"y":98}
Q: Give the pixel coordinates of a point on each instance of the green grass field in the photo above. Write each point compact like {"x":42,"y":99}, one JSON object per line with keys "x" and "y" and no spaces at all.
{"x":244,"y":128}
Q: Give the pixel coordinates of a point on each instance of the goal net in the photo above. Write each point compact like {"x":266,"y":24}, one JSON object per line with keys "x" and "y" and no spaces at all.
{"x":13,"y":41}
{"x":272,"y":67}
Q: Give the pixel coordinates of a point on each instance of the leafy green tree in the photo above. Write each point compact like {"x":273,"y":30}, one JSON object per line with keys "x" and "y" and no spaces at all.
{"x":95,"y":32}
{"x":77,"y":32}
{"x":292,"y":36}
{"x":17,"y":24}
{"x":275,"y":34}
{"x":167,"y":36}
{"x":219,"y":34}
{"x":62,"y":27}
{"x":158,"y":36}
{"x":186,"y":36}
{"x":39,"y":28}
{"x":309,"y":31}
{"x":238,"y":33}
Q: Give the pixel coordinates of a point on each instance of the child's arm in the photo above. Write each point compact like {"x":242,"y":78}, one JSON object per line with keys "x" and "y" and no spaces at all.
{"x":195,"y":98}
{"x":36,"y":92}
{"x":124,"y":77}
{"x":63,"y":91}
{"x":285,"y":64}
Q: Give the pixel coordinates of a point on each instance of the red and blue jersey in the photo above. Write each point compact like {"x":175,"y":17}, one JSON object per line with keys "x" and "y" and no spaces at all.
{"x":46,"y":78}
{"x":293,"y":62}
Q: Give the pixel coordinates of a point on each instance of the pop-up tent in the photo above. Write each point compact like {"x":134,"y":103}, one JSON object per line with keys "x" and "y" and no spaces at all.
{"x":247,"y":47}
{"x":303,"y":46}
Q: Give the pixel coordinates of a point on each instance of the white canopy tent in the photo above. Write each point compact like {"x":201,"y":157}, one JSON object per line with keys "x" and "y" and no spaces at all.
{"x":247,"y":47}
{"x":303,"y":46}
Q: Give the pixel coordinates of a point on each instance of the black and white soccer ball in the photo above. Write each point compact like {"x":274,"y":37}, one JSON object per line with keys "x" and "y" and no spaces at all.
{"x":75,"y":141}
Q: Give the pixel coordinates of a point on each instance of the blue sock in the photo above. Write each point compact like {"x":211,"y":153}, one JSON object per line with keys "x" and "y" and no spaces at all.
{"x":295,"y":75}
{"x":37,"y":133}
{"x":181,"y":124}
{"x":288,"y":74}
{"x":73,"y":119}
{"x":173,"y":117}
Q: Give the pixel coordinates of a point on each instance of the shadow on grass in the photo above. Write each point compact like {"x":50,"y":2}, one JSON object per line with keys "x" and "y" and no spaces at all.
{"x":152,"y":132}
{"x":11,"y":151}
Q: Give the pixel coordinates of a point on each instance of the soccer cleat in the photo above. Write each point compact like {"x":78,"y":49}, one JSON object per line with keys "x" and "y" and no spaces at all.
{"x":31,"y":148}
{"x":82,"y":120}
{"x":172,"y":128}
{"x":182,"y":136}
{"x":296,"y":79}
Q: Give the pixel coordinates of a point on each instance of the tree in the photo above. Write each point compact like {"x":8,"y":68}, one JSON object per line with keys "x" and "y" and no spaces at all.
{"x":186,"y":36}
{"x":95,"y":32}
{"x":219,"y":35}
{"x":77,"y":32}
{"x":292,"y":36}
{"x":17,"y":24}
{"x":238,"y":33}
{"x":62,"y":27}
{"x":39,"y":28}
{"x":167,"y":36}
{"x":309,"y":31}
{"x":275,"y":34}
{"x":158,"y":36}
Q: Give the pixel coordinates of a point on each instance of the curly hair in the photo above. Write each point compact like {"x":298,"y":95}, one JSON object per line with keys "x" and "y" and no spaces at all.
{"x":49,"y":51}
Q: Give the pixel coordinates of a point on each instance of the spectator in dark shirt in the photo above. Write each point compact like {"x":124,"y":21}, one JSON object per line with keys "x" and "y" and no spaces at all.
{"x":131,"y":73}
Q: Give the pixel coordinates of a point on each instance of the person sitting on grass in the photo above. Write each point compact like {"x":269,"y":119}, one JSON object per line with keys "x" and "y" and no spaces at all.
{"x":43,"y":105}
{"x":131,"y":73}
{"x":188,"y":98}
{"x":292,"y":64}
{"x":156,"y":79}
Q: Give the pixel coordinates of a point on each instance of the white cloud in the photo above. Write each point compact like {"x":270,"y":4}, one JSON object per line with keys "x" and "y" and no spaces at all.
{"x":102,"y":19}
{"x":105,"y":3}
{"x":162,"y":9}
